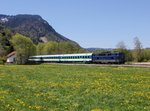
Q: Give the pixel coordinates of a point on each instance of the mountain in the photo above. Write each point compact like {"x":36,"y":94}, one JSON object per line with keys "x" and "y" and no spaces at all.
{"x":33,"y":26}
{"x":99,"y":49}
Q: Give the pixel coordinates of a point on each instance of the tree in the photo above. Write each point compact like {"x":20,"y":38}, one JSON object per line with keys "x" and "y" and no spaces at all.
{"x":52,"y":47}
{"x":24,"y":48}
{"x":138,"y":53}
{"x":146,"y":53}
{"x":68,"y":48}
{"x":121,"y":47}
{"x":2,"y":51}
{"x":40,"y":48}
{"x":2,"y":55}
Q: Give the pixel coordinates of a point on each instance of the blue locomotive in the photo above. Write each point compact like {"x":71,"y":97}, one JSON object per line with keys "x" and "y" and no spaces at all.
{"x":103,"y":57}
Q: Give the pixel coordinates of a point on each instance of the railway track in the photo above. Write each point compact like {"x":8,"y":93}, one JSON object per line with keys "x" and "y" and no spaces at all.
{"x":144,"y":64}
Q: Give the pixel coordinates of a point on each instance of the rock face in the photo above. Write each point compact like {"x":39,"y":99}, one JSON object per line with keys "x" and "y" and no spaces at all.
{"x":32,"y":26}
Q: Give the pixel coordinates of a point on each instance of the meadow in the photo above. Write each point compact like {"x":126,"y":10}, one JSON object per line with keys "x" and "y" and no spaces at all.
{"x":54,"y":87}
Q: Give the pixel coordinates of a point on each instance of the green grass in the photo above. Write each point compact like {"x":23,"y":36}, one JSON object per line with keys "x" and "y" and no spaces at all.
{"x":74,"y":88}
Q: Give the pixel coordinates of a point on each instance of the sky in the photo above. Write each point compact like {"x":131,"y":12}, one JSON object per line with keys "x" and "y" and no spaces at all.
{"x":91,"y":23}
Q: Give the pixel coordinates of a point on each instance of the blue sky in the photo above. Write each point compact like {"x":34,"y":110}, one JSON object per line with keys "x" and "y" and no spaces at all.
{"x":91,"y":23}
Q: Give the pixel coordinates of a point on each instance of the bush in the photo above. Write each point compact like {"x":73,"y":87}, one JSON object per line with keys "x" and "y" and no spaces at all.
{"x":2,"y":60}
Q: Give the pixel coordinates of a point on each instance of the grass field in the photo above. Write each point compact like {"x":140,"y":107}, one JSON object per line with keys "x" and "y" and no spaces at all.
{"x":74,"y":88}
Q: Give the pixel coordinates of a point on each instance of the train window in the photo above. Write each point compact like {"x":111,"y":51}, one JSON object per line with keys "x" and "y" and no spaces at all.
{"x":101,"y":54}
{"x":109,"y":54}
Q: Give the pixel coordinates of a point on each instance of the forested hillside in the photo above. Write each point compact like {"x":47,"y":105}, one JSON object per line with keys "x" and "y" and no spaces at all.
{"x":18,"y":32}
{"x":34,"y":27}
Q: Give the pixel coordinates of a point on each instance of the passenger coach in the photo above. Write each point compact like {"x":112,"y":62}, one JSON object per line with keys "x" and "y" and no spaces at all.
{"x":104,"y":57}
{"x":85,"y":57}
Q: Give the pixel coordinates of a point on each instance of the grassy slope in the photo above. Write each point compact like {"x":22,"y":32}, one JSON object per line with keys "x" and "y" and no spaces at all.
{"x":74,"y":88}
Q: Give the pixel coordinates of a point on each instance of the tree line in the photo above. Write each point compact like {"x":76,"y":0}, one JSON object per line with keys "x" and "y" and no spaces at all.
{"x":25,"y":47}
{"x":138,"y":54}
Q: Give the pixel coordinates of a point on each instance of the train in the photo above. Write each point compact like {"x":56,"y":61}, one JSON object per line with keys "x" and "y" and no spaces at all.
{"x":101,"y":57}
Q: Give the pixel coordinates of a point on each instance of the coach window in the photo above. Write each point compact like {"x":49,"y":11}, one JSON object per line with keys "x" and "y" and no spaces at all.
{"x":109,"y":54}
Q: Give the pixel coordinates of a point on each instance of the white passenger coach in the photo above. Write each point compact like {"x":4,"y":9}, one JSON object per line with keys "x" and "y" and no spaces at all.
{"x":83,"y":57}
